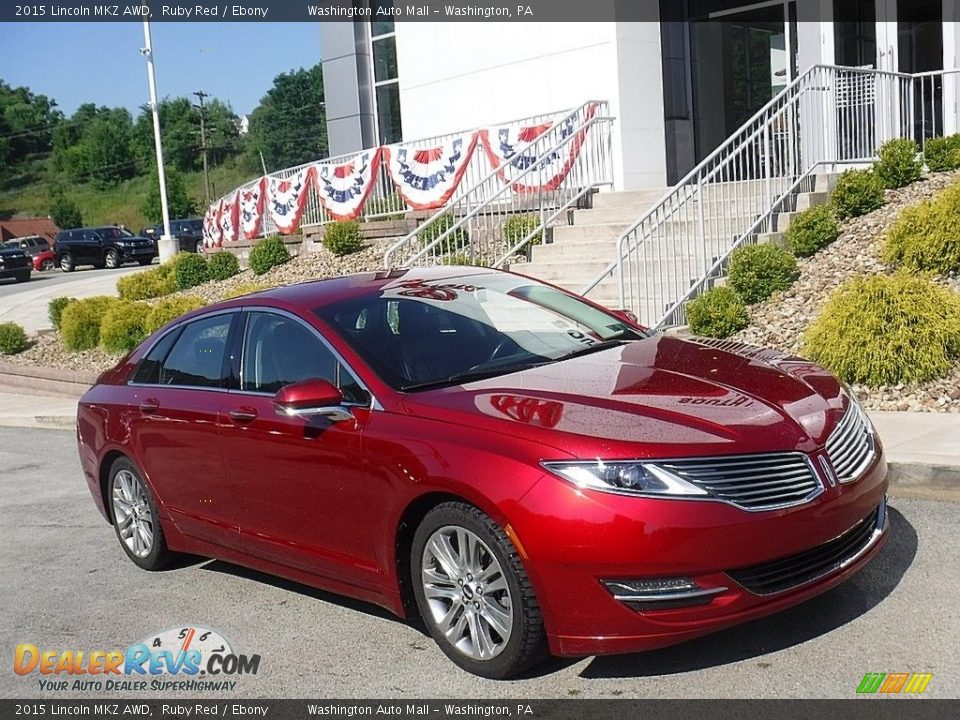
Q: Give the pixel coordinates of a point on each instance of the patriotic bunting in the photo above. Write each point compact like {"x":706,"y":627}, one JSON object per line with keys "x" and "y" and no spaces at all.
{"x":211,"y":226}
{"x":251,"y":208}
{"x":287,"y":197}
{"x":427,"y":177}
{"x":229,"y":219}
{"x":343,"y":188}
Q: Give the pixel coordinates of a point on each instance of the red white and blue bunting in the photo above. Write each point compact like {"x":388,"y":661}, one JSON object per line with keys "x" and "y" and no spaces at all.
{"x":427,"y":177}
{"x":287,"y":198}
{"x":251,"y":208}
{"x":211,"y":226}
{"x":344,"y":187}
{"x":229,"y":219}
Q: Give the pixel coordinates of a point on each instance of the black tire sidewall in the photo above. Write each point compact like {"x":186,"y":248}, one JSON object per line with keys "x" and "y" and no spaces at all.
{"x":158,"y":555}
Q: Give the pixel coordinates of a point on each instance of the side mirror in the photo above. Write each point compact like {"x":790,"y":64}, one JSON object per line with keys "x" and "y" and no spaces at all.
{"x":312,"y":398}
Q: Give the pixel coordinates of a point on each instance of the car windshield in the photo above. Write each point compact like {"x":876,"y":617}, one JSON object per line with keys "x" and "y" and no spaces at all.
{"x":419,"y":334}
{"x":12,"y":244}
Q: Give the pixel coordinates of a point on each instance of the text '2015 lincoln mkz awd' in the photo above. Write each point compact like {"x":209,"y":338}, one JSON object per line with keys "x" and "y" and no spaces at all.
{"x":526,"y":471}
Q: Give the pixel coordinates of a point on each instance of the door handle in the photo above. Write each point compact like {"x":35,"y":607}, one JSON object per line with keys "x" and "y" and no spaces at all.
{"x":148,"y":406}
{"x":243,"y":415}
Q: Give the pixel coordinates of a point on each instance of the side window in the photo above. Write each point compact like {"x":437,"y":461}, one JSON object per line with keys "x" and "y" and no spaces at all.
{"x":278,"y":351}
{"x":149,"y":371}
{"x":197,"y":356}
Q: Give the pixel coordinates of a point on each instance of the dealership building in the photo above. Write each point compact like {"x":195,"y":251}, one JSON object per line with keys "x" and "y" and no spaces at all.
{"x":677,"y":87}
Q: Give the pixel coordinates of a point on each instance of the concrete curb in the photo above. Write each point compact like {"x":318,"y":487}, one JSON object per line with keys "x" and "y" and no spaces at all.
{"x":45,"y":381}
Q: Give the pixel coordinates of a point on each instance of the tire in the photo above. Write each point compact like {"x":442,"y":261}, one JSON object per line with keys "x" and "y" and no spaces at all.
{"x":66,"y":262}
{"x":111,"y":260}
{"x":47,"y":264}
{"x":199,"y":247}
{"x":22,"y":277}
{"x":464,"y":604}
{"x":135,"y":517}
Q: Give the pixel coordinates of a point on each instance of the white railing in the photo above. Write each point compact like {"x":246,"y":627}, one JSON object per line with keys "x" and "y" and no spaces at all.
{"x":501,"y":214}
{"x":827,"y":118}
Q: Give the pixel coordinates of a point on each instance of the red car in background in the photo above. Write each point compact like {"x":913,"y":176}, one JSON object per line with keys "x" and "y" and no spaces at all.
{"x":45,"y":260}
{"x":525,"y":470}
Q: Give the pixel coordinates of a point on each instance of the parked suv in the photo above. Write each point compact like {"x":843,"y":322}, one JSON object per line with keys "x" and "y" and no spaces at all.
{"x":37,"y":248}
{"x":188,"y":232}
{"x":15,"y":263}
{"x":108,"y":247}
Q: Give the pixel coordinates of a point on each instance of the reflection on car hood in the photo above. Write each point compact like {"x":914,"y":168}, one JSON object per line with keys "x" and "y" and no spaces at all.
{"x":683,"y":396}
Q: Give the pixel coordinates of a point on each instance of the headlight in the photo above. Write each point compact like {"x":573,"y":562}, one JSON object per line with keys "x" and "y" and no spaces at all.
{"x":625,"y":477}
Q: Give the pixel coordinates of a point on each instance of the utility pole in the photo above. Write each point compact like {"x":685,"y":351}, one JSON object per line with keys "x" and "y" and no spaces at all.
{"x":203,"y":145}
{"x":167,"y":246}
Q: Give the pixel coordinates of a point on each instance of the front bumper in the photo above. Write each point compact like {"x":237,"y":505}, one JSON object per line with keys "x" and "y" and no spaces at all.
{"x":607,"y":537}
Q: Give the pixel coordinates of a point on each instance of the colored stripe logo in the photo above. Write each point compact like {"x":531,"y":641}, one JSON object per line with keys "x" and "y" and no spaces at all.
{"x":894,"y":683}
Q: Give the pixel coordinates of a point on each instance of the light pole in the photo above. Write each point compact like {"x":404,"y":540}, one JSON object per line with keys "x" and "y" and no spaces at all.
{"x":167,"y":246}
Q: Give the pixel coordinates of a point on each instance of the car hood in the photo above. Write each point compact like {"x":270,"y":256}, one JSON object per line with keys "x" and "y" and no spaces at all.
{"x":13,"y":252}
{"x":660,"y":395}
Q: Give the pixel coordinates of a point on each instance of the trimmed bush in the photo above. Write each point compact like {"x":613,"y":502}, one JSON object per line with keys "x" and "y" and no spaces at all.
{"x":245,"y":289}
{"x":190,"y":270}
{"x":148,"y":284}
{"x":80,"y":322}
{"x":812,"y":230}
{"x":343,"y":237}
{"x":718,"y":313}
{"x":926,"y":236}
{"x":428,"y":232}
{"x":268,"y":253}
{"x":857,"y":193}
{"x":517,"y":227}
{"x":942,"y":153}
{"x":883,"y":330}
{"x":222,"y":265}
{"x":166,"y":310}
{"x":13,"y":339}
{"x":124,"y":326}
{"x":55,"y":309}
{"x":758,"y":271}
{"x":898,"y":164}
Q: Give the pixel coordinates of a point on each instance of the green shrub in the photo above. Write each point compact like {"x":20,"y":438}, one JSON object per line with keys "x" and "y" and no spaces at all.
{"x":222,"y":265}
{"x":55,"y":309}
{"x":758,"y":271}
{"x":883,"y":330}
{"x":80,"y":322}
{"x":718,"y":313}
{"x":517,"y":227}
{"x":190,"y":270}
{"x":857,"y":193}
{"x":343,"y":237}
{"x":898,"y":164}
{"x":166,"y":310}
{"x":428,"y":232}
{"x":268,"y":253}
{"x":148,"y":284}
{"x":245,"y":289}
{"x":461,"y":259}
{"x":812,"y":230}
{"x":926,"y":236}
{"x":13,"y":339}
{"x":388,"y":207}
{"x":942,"y":153}
{"x":124,"y":326}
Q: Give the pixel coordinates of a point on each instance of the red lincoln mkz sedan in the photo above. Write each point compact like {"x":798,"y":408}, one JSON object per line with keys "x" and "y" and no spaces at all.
{"x":523,"y":469}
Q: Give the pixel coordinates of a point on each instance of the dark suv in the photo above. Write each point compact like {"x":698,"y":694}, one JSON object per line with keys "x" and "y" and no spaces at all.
{"x":15,"y":263}
{"x":108,"y":247}
{"x":188,"y":232}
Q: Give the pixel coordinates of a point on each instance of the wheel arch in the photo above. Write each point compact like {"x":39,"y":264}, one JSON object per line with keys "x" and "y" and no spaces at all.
{"x":103,"y":474}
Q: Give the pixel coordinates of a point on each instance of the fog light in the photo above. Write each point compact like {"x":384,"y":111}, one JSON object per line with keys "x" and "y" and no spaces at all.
{"x":660,"y":593}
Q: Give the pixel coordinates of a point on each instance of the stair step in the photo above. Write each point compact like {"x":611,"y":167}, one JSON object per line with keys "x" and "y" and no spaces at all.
{"x":628,"y":198}
{"x":807,"y":200}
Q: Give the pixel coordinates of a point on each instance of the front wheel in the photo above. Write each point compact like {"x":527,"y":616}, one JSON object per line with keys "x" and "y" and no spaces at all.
{"x":135,"y":517}
{"x":66,"y":262}
{"x":111,"y":259}
{"x":473,"y":593}
{"x":200,"y":247}
{"x":47,"y":264}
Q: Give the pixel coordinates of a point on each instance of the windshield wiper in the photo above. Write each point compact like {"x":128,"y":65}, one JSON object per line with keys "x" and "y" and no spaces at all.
{"x":602,"y":345}
{"x":471,"y":375}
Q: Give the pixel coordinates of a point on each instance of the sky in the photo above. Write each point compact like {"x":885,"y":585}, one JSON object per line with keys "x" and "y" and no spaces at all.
{"x":74,"y":63}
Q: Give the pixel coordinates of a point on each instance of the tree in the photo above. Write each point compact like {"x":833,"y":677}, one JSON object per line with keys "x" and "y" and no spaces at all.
{"x":289,"y":126}
{"x":179,"y":202}
{"x":64,"y":212}
{"x":26,"y":125}
{"x":95,"y":145}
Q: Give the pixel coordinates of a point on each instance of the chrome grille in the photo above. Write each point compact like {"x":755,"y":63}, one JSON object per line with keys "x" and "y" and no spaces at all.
{"x":753,"y":482}
{"x":850,"y":446}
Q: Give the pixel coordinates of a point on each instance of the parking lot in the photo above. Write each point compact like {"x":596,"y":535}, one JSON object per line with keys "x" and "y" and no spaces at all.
{"x":67,"y":585}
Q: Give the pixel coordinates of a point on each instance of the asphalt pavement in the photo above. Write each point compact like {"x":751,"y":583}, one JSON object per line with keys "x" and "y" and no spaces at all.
{"x":67,"y":585}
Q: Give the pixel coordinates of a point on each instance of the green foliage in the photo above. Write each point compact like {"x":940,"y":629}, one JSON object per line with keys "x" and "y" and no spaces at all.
{"x":389,"y":207}
{"x":179,"y":202}
{"x":812,"y":230}
{"x":180,"y":126}
{"x":223,"y":264}
{"x":80,"y":322}
{"x":95,"y":145}
{"x":124,"y":326}
{"x":430,"y":231}
{"x":517,"y":227}
{"x":718,"y":313}
{"x":65,"y":213}
{"x":55,"y":309}
{"x":925,"y":236}
{"x":13,"y":339}
{"x":166,"y":310}
{"x":157,"y":282}
{"x":268,"y":253}
{"x":758,"y":271}
{"x":898,"y":164}
{"x":883,"y":330}
{"x":461,"y":259}
{"x":942,"y":153}
{"x":190,"y":270}
{"x":343,"y":237}
{"x":26,"y":122}
{"x":245,"y":289}
{"x":857,"y":193}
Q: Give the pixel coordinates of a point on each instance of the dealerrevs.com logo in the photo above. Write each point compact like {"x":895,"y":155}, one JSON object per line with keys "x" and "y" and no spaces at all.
{"x":894,"y":683}
{"x":189,"y":658}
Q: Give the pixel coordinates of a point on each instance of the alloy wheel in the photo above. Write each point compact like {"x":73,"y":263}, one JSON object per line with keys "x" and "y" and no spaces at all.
{"x":111,"y":260}
{"x":47,"y":265}
{"x":131,"y":511}
{"x":467,"y":592}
